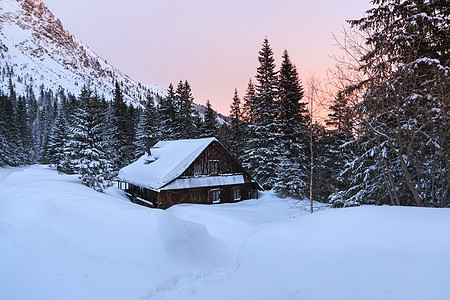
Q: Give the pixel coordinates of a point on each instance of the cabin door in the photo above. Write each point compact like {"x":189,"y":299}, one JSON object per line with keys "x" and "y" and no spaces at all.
{"x":214,"y":196}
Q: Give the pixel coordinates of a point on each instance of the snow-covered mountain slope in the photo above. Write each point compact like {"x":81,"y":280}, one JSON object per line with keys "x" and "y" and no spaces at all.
{"x":36,"y":49}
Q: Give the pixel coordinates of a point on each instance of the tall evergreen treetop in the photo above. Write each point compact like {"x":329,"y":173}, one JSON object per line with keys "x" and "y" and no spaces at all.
{"x":168,"y":114}
{"x":185,"y":123}
{"x":249,"y":103}
{"x":148,"y":130}
{"x":210,"y":121}
{"x":235,"y":108}
{"x":266,"y":89}
{"x":293,"y":115}
{"x":237,"y":126}
{"x":341,"y":117}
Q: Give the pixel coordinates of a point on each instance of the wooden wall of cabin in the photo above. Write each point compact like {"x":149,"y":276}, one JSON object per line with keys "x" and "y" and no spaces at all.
{"x":202,"y":195}
{"x":205,"y":164}
{"x":137,"y":192}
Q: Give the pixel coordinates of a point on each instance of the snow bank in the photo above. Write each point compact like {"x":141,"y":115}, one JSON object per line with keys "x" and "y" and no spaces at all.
{"x":354,"y":253}
{"x":61,"y":240}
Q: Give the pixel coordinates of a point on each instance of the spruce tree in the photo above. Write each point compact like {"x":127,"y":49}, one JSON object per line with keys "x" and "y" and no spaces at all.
{"x":24,"y":130}
{"x":265,"y":110}
{"x":249,"y":102}
{"x":293,"y":116}
{"x":122,"y":141}
{"x":168,"y":115}
{"x":185,"y":125}
{"x":262,"y":153}
{"x":209,"y":128}
{"x":147,"y":132}
{"x":405,"y":112}
{"x":89,"y":157}
{"x":7,"y":156}
{"x":292,"y":123}
{"x":237,"y":126}
{"x":58,"y":146}
{"x":336,"y":149}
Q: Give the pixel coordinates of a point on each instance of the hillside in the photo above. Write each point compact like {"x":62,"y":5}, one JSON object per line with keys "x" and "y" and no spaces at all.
{"x":36,"y":50}
{"x":62,"y":240}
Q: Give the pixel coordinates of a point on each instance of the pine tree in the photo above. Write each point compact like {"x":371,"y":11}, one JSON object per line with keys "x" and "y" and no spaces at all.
{"x":237,"y":127}
{"x":88,"y":141}
{"x":292,"y":124}
{"x":209,"y":127}
{"x":58,"y":149}
{"x":265,"y":111}
{"x":262,"y":153}
{"x":148,"y":132}
{"x":7,"y":156}
{"x":336,"y":150}
{"x":122,"y":141}
{"x":168,"y":115}
{"x":293,"y":116}
{"x":24,"y":136}
{"x":405,"y":111}
{"x":249,"y":102}
{"x":185,"y":125}
{"x":43,"y":123}
{"x":9,"y":129}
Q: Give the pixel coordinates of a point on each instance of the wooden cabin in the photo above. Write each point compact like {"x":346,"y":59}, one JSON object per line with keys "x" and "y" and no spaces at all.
{"x":187,"y":171}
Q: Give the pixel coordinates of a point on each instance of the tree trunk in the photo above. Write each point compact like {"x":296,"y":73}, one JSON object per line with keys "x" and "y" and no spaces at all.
{"x":312,"y":170}
{"x":409,"y":182}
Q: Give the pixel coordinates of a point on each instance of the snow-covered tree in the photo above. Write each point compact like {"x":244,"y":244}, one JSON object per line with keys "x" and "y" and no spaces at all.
{"x":88,"y":156}
{"x":292,"y":123}
{"x":249,"y":102}
{"x":237,"y":127}
{"x":123,"y":134}
{"x":58,"y":150}
{"x":168,"y":115}
{"x":209,"y":127}
{"x":184,"y":122}
{"x":262,"y":153}
{"x":405,"y":111}
{"x":148,"y":128}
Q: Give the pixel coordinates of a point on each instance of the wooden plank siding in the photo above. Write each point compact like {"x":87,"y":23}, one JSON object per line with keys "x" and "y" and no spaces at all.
{"x":213,"y":154}
{"x":202,"y":195}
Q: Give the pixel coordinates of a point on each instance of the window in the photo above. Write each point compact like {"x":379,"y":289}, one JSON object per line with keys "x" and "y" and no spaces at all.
{"x":216,"y":196}
{"x":123,"y":185}
{"x":214,"y":167}
{"x":197,"y":169}
{"x":236,"y":194}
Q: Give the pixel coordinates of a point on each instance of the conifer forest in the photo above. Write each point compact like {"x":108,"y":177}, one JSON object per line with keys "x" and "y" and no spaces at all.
{"x":385,"y":139}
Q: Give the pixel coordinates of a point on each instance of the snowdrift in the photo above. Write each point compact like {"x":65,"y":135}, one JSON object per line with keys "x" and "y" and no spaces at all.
{"x":61,"y":240}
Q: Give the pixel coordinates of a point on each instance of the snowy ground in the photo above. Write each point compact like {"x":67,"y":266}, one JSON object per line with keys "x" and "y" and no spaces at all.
{"x":61,"y":240}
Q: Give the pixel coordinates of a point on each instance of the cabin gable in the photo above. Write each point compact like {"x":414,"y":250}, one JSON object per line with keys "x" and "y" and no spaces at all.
{"x":213,"y":161}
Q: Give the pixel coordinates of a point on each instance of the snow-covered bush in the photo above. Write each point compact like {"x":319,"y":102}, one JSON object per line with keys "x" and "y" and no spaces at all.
{"x":338,"y":200}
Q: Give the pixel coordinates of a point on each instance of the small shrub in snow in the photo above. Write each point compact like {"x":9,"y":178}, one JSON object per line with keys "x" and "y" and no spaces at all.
{"x":338,"y":200}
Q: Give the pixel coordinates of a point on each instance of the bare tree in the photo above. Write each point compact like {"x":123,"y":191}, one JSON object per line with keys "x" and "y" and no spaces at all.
{"x":315,"y":96}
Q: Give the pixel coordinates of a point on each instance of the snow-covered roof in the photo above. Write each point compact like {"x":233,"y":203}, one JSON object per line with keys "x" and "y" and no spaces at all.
{"x":167,"y":161}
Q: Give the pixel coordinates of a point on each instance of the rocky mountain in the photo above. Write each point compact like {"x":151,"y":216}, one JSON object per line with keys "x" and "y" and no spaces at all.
{"x":36,"y":50}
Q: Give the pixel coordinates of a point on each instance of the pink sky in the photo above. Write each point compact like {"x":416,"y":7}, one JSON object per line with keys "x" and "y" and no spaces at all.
{"x":213,"y":44}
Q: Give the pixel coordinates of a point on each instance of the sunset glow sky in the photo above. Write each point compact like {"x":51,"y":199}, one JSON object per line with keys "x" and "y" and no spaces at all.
{"x":213,"y":44}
